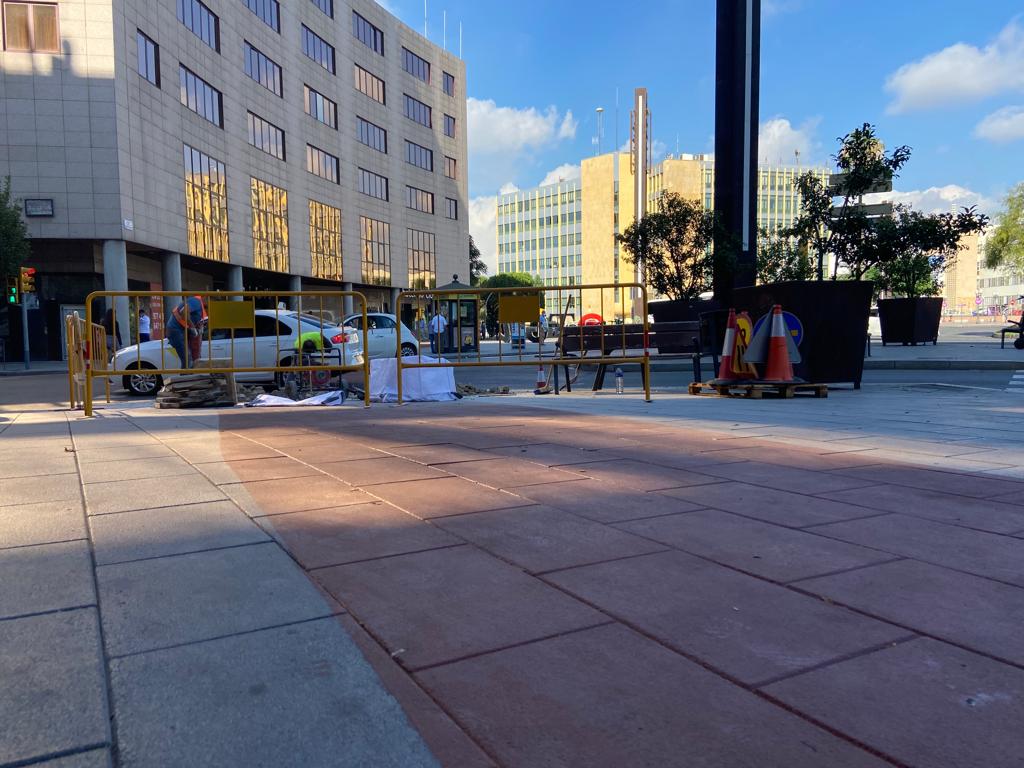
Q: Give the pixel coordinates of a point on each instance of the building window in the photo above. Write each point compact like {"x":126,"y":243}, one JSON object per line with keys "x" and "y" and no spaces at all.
{"x":367,"y":34}
{"x":449,"y":84}
{"x":268,"y":11}
{"x":369,"y":84}
{"x":325,"y":240}
{"x":415,"y":65}
{"x":201,"y":97}
{"x":319,"y":107}
{"x":202,"y":22}
{"x":327,"y":6}
{"x":422,"y":260}
{"x":318,"y":49}
{"x":375,"y":243}
{"x":372,"y":135}
{"x":322,"y":164}
{"x":262,"y":69}
{"x":417,"y":111}
{"x":419,"y":156}
{"x":450,"y":167}
{"x":451,"y":208}
{"x":373,"y":184}
{"x":206,"y":205}
{"x":266,"y":136}
{"x":31,"y":27}
{"x":149,"y":58}
{"x":449,"y":126}
{"x":419,"y":199}
{"x":269,"y":226}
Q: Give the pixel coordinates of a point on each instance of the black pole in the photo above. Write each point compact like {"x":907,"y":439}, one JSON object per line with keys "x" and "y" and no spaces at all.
{"x":737,"y":86}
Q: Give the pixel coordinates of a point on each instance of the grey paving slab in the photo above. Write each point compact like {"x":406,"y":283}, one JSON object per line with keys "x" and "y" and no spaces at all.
{"x":226,"y":448}
{"x":925,"y":703}
{"x":746,"y":627}
{"x":93,"y":758}
{"x":301,"y":695}
{"x":29,"y":465}
{"x":32,"y":490}
{"x":137,"y":469}
{"x":958,"y":483}
{"x":981,"y":614}
{"x":149,"y":493}
{"x":128,"y":452}
{"x":603,"y":503}
{"x":777,"y":553}
{"x":46,"y":577}
{"x":53,"y":697}
{"x":609,"y":698}
{"x":640,"y":476}
{"x":171,"y":531}
{"x":42,"y":523}
{"x":248,"y":470}
{"x":791,"y":479}
{"x":977,"y":552}
{"x":156,"y":603}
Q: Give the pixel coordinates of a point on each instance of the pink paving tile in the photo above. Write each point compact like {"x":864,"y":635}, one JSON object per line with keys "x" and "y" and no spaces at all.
{"x":554,"y":455}
{"x":445,"y":453}
{"x":272,"y":497}
{"x":509,"y":473}
{"x":445,"y":496}
{"x":602,"y":502}
{"x":979,"y":486}
{"x":746,"y":627}
{"x":609,"y":698}
{"x":640,"y":476}
{"x":775,"y":453}
{"x":445,"y":604}
{"x":785,"y":478}
{"x":496,"y":438}
{"x":328,"y":450}
{"x":366,"y":472}
{"x":222,"y":472}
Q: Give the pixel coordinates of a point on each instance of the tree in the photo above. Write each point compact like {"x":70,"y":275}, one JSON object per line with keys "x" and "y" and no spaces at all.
{"x":672,"y":247}
{"x":477,"y":268}
{"x":14,"y":248}
{"x":781,"y":258}
{"x":504,"y":280}
{"x":1005,"y":246}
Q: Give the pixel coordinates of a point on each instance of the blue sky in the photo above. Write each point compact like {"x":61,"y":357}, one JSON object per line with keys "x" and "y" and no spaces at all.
{"x":943,"y":76}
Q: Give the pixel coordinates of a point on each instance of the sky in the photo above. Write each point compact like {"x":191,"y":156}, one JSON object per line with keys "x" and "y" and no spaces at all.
{"x":942,"y":76}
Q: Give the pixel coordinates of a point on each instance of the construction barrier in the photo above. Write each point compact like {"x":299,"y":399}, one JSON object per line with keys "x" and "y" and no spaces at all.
{"x":252,"y":330}
{"x":617,"y":309}
{"x":77,"y":350}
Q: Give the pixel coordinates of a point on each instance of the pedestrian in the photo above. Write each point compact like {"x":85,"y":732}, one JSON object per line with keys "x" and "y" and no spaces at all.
{"x":186,"y":324}
{"x":543,"y":325}
{"x":112,"y":331}
{"x":144,"y":325}
{"x":438,"y":325}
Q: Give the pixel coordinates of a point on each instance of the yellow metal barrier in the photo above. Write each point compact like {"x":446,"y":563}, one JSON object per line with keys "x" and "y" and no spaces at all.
{"x":77,"y":349}
{"x":518,"y":306}
{"x":232,"y":315}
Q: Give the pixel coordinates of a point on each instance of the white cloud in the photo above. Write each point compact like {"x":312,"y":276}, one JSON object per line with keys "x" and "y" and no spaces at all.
{"x":770,"y":8}
{"x":565,"y":172}
{"x":1003,"y":125}
{"x":938,"y":199}
{"x":778,"y":141}
{"x":508,"y":188}
{"x":499,"y":130}
{"x":482,"y":221}
{"x":960,"y":74}
{"x":387,"y":6}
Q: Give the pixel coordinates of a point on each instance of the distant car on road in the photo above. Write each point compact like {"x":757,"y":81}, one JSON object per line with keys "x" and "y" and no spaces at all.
{"x":380,"y":335}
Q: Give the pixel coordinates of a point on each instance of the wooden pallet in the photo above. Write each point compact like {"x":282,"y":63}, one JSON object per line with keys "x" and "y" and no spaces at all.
{"x":759,"y":391}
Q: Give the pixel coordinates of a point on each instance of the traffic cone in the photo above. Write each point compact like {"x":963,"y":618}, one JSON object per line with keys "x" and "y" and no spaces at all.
{"x":542,"y":382}
{"x":725,"y":367}
{"x":778,"y":368}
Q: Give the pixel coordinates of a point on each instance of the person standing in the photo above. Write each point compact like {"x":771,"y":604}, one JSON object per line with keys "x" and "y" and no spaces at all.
{"x":184,"y":325}
{"x":112,"y":332}
{"x":543,"y":325}
{"x":145,"y":324}
{"x":438,"y":325}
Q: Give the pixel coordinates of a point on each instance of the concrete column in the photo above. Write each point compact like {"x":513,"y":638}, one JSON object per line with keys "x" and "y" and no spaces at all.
{"x":347,"y":304}
{"x":235,"y":280}
{"x":294,"y":284}
{"x":394,"y":301}
{"x":172,"y":271}
{"x":115,"y":278}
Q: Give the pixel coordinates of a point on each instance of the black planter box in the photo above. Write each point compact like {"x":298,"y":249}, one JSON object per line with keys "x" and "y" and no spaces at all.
{"x":684,"y":310}
{"x":834,"y":314}
{"x":910,"y":321}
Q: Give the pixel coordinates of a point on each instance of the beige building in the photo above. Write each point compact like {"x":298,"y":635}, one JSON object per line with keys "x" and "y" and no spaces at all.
{"x":231,"y":143}
{"x":960,"y":281}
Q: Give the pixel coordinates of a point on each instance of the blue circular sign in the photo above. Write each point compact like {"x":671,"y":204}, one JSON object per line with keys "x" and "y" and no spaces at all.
{"x":793,"y":324}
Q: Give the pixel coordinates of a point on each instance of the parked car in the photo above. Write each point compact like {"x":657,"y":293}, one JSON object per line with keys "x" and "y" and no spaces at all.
{"x":275,"y":335}
{"x":380,"y":335}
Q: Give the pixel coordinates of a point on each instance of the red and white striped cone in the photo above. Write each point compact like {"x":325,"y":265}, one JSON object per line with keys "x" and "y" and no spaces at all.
{"x":779,"y":368}
{"x":725,"y":371}
{"x":542,"y":382}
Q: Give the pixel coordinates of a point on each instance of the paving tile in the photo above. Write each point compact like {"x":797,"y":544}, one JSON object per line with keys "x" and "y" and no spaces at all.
{"x":508,"y":473}
{"x":640,"y":476}
{"x":227,"y":448}
{"x":445,"y":453}
{"x":445,"y":496}
{"x":962,"y":447}
{"x":137,"y":469}
{"x":32,"y":490}
{"x":979,"y":486}
{"x":36,"y":466}
{"x":781,"y":507}
{"x":781,"y":478}
{"x":357,"y":532}
{"x":328,"y":449}
{"x":297,"y":494}
{"x":300,"y":695}
{"x":150,"y":493}
{"x":923,"y":702}
{"x":156,"y":603}
{"x":774,"y":453}
{"x":171,"y":531}
{"x":977,"y":552}
{"x":435,"y":606}
{"x":248,"y":470}
{"x":968,"y":610}
{"x":125,"y":453}
{"x":364,"y":472}
{"x":748,"y":628}
{"x":53,"y":697}
{"x":777,"y":553}
{"x":602,"y":502}
{"x":609,"y":698}
{"x":47,"y":577}
{"x":555,"y":455}
{"x":485,"y":439}
{"x":984,"y":514}
{"x":94,"y":758}
{"x":42,"y":523}
{"x":544,"y":538}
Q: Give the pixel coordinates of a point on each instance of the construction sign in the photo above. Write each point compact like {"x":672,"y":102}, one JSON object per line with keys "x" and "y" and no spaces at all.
{"x":757,"y":352}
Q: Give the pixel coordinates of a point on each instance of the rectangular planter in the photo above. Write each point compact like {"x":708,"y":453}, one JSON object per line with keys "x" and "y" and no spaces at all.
{"x":910,"y":321}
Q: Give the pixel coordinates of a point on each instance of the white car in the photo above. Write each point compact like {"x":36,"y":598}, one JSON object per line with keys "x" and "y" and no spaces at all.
{"x":380,"y":335}
{"x":275,"y":334}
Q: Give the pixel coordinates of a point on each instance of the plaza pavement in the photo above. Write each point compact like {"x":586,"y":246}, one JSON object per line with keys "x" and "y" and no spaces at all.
{"x":582,"y":580}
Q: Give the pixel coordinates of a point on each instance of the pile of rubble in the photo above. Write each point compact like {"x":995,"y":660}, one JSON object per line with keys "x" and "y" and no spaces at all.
{"x":205,"y":390}
{"x":468,"y":390}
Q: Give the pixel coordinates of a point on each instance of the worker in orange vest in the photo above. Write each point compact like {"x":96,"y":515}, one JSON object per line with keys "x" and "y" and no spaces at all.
{"x":186,"y":323}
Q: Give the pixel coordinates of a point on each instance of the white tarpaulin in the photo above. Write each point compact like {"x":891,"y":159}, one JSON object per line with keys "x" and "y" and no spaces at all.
{"x":324,"y":398}
{"x":418,"y":384}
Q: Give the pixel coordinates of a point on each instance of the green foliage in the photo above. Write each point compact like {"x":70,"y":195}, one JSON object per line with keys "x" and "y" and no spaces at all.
{"x":504,"y":280}
{"x":672,"y":247}
{"x":477,"y":268}
{"x":780,"y":258}
{"x":1005,"y":246}
{"x":14,"y":248}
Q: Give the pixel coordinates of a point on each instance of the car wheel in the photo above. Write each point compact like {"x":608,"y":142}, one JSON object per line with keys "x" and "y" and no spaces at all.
{"x":1018,"y":343}
{"x":408,"y":350}
{"x":142,"y":384}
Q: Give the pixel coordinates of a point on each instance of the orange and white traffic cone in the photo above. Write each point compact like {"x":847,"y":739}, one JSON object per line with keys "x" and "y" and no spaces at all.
{"x":725,"y":367}
{"x":779,"y":367}
{"x":542,"y":382}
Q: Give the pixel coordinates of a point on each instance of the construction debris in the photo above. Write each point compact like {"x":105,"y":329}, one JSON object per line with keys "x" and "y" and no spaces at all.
{"x":204,"y":390}
{"x":468,"y":390}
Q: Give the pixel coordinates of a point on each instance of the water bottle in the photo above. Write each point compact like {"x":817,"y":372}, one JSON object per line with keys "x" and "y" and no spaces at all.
{"x":619,"y":386}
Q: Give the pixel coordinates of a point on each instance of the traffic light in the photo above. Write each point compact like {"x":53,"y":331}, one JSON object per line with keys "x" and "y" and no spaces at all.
{"x":11,"y":294}
{"x":28,"y":279}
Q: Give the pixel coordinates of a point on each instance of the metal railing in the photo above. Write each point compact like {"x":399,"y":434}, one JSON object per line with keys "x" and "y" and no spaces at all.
{"x":76,"y":332}
{"x":232,"y":316}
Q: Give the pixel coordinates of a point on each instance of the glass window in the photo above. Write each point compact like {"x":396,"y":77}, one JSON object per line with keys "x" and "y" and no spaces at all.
{"x":415,"y":65}
{"x":266,"y":136}
{"x":451,"y":208}
{"x":319,"y":107}
{"x":31,"y":27}
{"x":318,"y":49}
{"x":262,"y":69}
{"x":327,"y":6}
{"x":422,"y":259}
{"x":367,"y":34}
{"x":325,"y":240}
{"x":369,"y":84}
{"x":268,"y":11}
{"x":449,"y":126}
{"x":417,"y":111}
{"x":322,"y":164}
{"x":450,"y":167}
{"x":373,"y":184}
{"x":148,"y":58}
{"x":375,"y":243}
{"x":449,"y":84}
{"x":203,"y":22}
{"x":419,"y":156}
{"x":206,"y":205}
{"x":201,"y":97}
{"x":419,"y":199}
{"x":269,"y":326}
{"x":371,"y":135}
{"x":269,"y":226}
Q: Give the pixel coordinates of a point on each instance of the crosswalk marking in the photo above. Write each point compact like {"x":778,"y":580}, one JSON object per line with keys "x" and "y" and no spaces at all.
{"x":1016,"y":382}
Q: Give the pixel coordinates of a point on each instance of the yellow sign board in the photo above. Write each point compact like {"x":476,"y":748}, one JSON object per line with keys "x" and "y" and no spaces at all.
{"x":232,"y":314}
{"x":518,"y":308}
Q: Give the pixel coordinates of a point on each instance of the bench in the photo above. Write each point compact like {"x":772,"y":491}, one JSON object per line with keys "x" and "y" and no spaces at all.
{"x":1015,"y":328}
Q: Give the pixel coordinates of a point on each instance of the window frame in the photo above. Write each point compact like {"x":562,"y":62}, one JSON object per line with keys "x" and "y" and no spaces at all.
{"x":308,"y":101}
{"x":448,"y":79}
{"x":418,"y":149}
{"x":449,"y":120}
{"x":375,"y":33}
{"x":327,"y":6}
{"x":376,"y":182}
{"x":258,"y":9}
{"x":415,"y":65}
{"x":451,"y":161}
{"x":325,"y":159}
{"x":318,"y":44}
{"x":31,"y":26}
{"x":451,"y":204}
{"x":184,"y":72}
{"x":215,"y":45}
{"x":416,"y":103}
{"x":373,"y":131}
{"x":265,"y":125}
{"x":249,"y":51}
{"x":141,"y":36}
{"x":371,"y":80}
{"x":420,"y":200}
